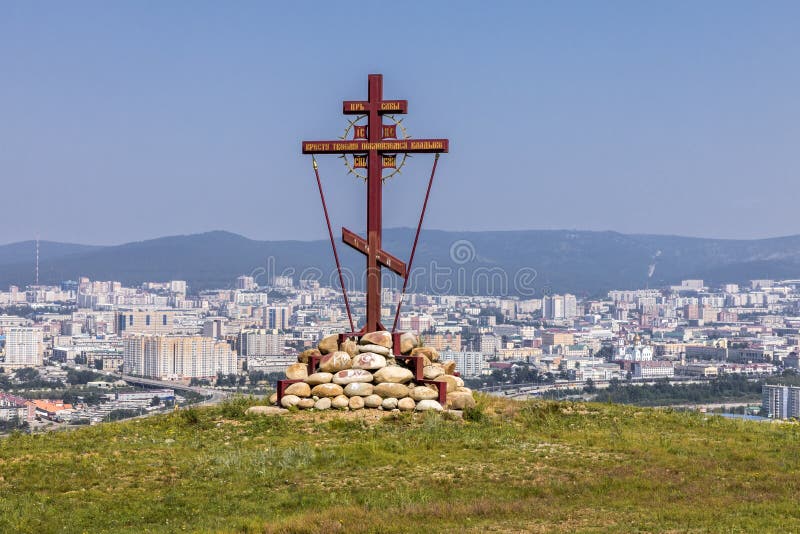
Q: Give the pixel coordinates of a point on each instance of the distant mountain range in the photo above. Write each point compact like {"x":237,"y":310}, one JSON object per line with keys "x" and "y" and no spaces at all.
{"x":526,"y":263}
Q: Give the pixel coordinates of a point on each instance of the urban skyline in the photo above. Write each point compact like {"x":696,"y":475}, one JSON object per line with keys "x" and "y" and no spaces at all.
{"x":686,"y":333}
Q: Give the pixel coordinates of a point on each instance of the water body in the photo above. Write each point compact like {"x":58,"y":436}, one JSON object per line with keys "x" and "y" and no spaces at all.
{"x":744,"y":416}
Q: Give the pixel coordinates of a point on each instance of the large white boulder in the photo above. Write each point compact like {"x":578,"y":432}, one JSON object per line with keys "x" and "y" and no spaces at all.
{"x":394,"y":374}
{"x":348,"y":376}
{"x":369,"y":361}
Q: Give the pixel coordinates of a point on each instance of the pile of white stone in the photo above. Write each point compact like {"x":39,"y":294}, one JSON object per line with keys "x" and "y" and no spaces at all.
{"x":365,"y":374}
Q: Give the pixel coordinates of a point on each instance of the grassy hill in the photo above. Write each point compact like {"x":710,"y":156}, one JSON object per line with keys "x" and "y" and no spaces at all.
{"x":533,"y":466}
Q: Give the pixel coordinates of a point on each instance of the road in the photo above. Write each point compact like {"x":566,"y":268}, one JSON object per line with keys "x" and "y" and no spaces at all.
{"x":215,"y":396}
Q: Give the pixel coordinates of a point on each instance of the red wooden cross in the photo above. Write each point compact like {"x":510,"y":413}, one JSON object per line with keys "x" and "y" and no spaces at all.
{"x":380,"y":140}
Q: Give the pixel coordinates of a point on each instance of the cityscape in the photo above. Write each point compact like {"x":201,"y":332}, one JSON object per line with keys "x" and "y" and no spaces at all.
{"x":239,"y":339}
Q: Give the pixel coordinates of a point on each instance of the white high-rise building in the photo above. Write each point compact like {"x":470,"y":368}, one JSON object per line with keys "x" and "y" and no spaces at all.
{"x":553,"y":307}
{"x":178,"y":286}
{"x":246,"y":283}
{"x":780,"y":402}
{"x":468,"y":364}
{"x":490,"y":343}
{"x":177,"y":357}
{"x":24,"y":347}
{"x":214,"y":327}
{"x":556,"y":307}
{"x":263,"y":350}
{"x":259,"y":342}
{"x":277,"y":317}
{"x":570,"y":306}
{"x":283,"y":281}
{"x":695,"y":285}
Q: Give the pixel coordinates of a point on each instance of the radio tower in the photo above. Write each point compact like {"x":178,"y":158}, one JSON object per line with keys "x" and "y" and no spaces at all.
{"x":37,"y":261}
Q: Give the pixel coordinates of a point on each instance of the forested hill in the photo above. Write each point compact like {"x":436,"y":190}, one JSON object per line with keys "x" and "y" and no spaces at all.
{"x":526,"y":263}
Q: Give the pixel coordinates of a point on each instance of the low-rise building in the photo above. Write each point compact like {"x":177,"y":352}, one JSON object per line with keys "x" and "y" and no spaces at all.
{"x":51,"y":409}
{"x":753,"y":369}
{"x":555,"y":338}
{"x":669,"y":351}
{"x":270,"y":364}
{"x":706,"y":352}
{"x":14,"y":408}
{"x":749,"y":355}
{"x":653,"y":369}
{"x":792,"y":361}
{"x":697,"y":369}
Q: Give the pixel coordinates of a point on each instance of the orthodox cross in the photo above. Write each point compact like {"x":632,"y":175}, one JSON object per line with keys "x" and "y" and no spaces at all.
{"x":375,"y":147}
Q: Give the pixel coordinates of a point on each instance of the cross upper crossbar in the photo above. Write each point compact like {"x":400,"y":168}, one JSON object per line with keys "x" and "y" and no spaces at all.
{"x":372,"y":152}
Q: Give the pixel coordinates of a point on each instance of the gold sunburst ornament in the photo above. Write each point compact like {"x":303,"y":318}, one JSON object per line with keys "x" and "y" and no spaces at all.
{"x":356,"y":164}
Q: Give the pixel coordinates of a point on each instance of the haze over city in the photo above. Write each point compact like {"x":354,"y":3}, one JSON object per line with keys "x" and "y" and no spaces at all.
{"x":128,"y":121}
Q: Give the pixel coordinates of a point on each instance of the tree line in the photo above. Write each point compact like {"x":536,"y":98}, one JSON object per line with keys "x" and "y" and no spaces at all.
{"x":663,"y":392}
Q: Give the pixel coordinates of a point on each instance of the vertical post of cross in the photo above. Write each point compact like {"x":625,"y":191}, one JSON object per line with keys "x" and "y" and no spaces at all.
{"x":375,"y":144}
{"x":374,"y":204}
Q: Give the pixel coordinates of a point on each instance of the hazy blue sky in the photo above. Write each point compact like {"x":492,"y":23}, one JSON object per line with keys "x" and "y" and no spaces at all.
{"x":129,"y":120}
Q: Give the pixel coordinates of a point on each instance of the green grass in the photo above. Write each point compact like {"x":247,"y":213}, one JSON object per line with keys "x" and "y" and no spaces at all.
{"x":532,"y":466}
